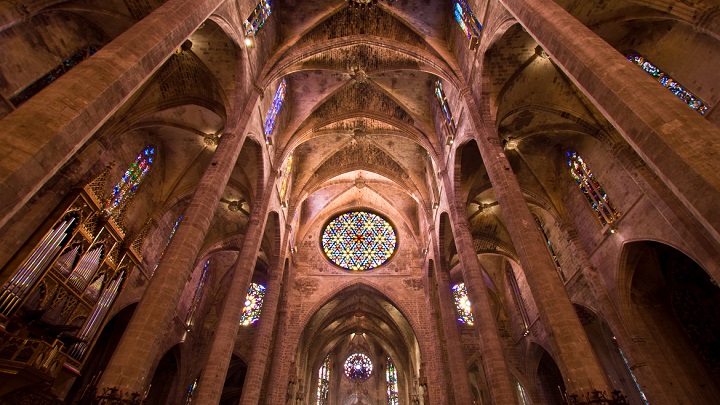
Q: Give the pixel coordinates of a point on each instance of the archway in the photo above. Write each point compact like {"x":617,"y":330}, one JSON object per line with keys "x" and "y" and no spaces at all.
{"x":679,"y":305}
{"x":549,"y":381}
{"x":232,"y":390}
{"x":165,"y":378}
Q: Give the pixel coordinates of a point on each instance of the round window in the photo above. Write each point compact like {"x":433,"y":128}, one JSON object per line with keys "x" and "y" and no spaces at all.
{"x":359,"y":366}
{"x":358,"y":240}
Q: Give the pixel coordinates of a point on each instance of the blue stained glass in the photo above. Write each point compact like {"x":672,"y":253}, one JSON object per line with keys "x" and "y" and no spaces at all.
{"x":467,"y":20}
{"x":253,"y":304}
{"x":442,"y":100}
{"x":190,"y":318}
{"x":392,"y":383}
{"x":462,"y":304}
{"x":257,"y":17}
{"x":591,"y":188}
{"x":131,"y":180}
{"x":359,"y":240}
{"x":275,"y":108}
{"x":668,"y":82}
{"x":358,"y":366}
{"x":162,"y":254}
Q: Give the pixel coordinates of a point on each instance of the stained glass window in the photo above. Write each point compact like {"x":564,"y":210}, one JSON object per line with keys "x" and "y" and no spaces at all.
{"x":594,"y":193}
{"x":392,"y":383}
{"x":253,"y":304}
{"x":257,"y":17}
{"x":50,"y":77}
{"x":130,"y":181}
{"x":358,"y":366}
{"x":550,"y":248}
{"x":442,"y":100}
{"x":162,"y":254}
{"x":191,"y":391}
{"x":286,"y":175}
{"x":324,"y":382}
{"x":190,"y":318}
{"x":275,"y":108}
{"x":632,"y":375}
{"x":359,"y":240}
{"x":462,"y":304}
{"x":522,"y":395}
{"x":519,"y":300}
{"x":668,"y":82}
{"x":467,"y":21}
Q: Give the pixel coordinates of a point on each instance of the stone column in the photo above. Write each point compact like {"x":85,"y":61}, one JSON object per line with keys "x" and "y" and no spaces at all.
{"x":671,"y":138}
{"x":453,"y":343}
{"x":139,"y":349}
{"x":38,"y":138}
{"x":570,"y":345}
{"x":213,"y":377}
{"x":263,"y":337}
{"x":497,"y":371}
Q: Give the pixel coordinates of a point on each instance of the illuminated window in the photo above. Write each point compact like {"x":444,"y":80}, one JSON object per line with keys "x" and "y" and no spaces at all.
{"x":162,"y":254}
{"x":190,"y":318}
{"x":519,"y":300}
{"x":275,"y":108}
{"x":358,"y":366}
{"x":324,"y":382}
{"x":253,"y":304}
{"x":50,"y":77}
{"x":668,"y":82}
{"x":550,"y":248}
{"x":358,"y":240}
{"x":632,"y":375}
{"x":131,"y":180}
{"x":392,"y":383}
{"x":442,"y":100}
{"x":591,"y":188}
{"x":191,"y":391}
{"x":257,"y":17}
{"x":286,"y":175}
{"x":462,"y":304}
{"x":522,"y":395}
{"x":468,"y":22}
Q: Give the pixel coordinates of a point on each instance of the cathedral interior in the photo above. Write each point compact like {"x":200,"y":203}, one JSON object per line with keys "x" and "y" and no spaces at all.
{"x":338,"y":202}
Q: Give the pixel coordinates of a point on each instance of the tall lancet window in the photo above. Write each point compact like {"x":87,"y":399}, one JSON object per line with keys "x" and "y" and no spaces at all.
{"x":275,"y":108}
{"x":462,"y":304}
{"x":130,"y":181}
{"x":392,"y":383}
{"x":550,"y":247}
{"x":468,"y":22}
{"x":285,"y":178}
{"x":442,"y":100}
{"x":257,"y":17}
{"x":253,"y":304}
{"x":323,"y":387}
{"x":199,"y":289}
{"x":591,"y":188}
{"x":519,"y":300}
{"x":668,"y":82}
{"x":15,"y":289}
{"x":162,"y":254}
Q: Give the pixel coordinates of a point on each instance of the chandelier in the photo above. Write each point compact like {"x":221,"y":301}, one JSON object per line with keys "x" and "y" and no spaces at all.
{"x":362,"y":3}
{"x":599,"y":398}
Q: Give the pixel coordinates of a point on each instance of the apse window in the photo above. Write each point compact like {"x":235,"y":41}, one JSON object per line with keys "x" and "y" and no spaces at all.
{"x":253,"y":304}
{"x":359,"y":240}
{"x":462,"y":304}
{"x":358,"y":366}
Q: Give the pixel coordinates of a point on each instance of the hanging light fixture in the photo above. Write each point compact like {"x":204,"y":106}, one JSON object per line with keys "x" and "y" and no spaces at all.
{"x":362,"y":4}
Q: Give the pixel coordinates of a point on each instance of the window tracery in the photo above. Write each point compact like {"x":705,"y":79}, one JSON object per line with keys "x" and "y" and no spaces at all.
{"x":130,"y":181}
{"x":392,"y":383}
{"x":358,"y":366}
{"x":669,"y":83}
{"x":358,"y":240}
{"x":257,"y":17}
{"x":323,"y":387}
{"x":591,"y":188}
{"x":253,"y":304}
{"x":275,"y":108}
{"x":462,"y":304}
